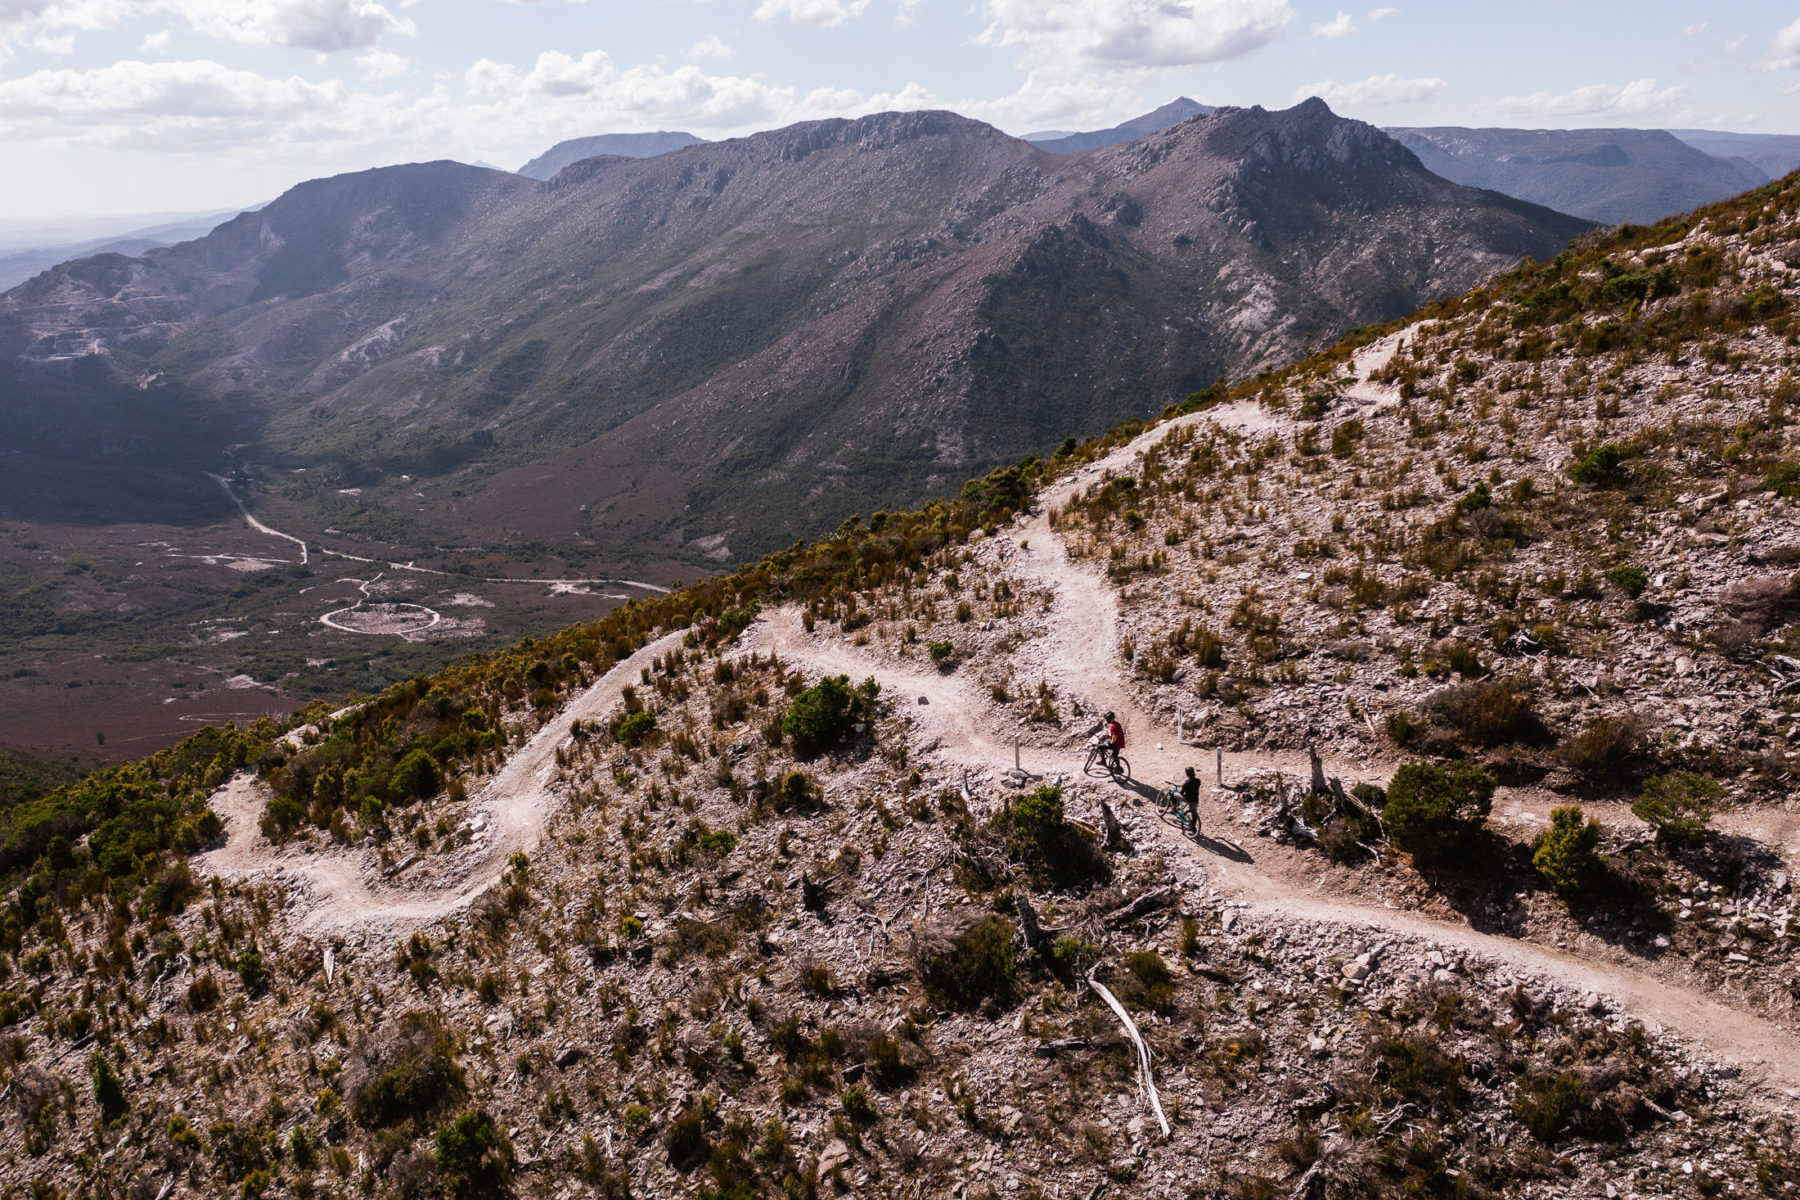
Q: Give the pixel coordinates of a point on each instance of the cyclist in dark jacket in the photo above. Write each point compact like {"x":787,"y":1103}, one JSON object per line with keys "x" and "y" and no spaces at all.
{"x":1190,"y":799}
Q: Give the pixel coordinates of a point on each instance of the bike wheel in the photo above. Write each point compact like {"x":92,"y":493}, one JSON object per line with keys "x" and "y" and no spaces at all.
{"x":1124,"y":767}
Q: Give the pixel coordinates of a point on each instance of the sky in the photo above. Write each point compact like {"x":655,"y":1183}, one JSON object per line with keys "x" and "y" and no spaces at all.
{"x":139,"y":106}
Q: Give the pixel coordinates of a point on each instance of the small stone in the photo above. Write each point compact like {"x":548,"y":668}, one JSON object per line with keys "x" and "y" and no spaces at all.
{"x":569,"y":1056}
{"x":1684,"y":666}
{"x":923,"y":700}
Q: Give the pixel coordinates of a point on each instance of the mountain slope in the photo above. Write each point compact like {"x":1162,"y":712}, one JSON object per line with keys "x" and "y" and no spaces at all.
{"x":673,"y":903}
{"x":1606,"y":175}
{"x":626,"y":145}
{"x":716,"y":351}
{"x":1173,"y":113}
{"x":1774,"y":154}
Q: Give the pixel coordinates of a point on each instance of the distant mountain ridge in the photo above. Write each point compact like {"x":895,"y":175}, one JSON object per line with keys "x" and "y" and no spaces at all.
{"x":1606,"y":175}
{"x":707,"y":354}
{"x":626,"y":145}
{"x":1174,"y":112}
{"x":18,"y":265}
{"x":1773,"y":154}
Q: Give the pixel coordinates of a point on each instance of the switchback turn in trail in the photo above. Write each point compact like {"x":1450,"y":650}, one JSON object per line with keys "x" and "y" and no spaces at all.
{"x":1082,"y":642}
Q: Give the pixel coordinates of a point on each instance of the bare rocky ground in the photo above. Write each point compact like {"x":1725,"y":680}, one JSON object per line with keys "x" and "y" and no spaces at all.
{"x":681,"y":961}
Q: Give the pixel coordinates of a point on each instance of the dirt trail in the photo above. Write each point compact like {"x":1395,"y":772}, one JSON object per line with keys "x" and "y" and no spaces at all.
{"x":1084,"y":641}
{"x":517,"y":802}
{"x":1084,"y":646}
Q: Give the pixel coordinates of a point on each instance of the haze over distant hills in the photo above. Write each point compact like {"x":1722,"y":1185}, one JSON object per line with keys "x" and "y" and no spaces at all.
{"x":627,"y":145}
{"x":1605,"y":175}
{"x":1774,"y":154}
{"x":21,"y":257}
{"x":714,"y":351}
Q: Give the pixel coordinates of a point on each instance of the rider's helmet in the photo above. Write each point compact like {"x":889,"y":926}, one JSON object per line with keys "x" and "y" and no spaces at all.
{"x":1190,"y":771}
{"x":1109,"y":716}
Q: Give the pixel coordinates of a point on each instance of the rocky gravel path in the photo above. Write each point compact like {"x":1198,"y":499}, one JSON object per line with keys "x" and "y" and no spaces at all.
{"x":959,"y":720}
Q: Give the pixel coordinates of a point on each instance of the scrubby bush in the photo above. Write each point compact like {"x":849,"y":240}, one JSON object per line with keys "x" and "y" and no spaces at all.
{"x":1055,"y":852}
{"x":416,"y":776}
{"x":109,"y":1089}
{"x":1608,"y":749}
{"x":1554,"y":1106}
{"x":686,"y":1141}
{"x":1630,"y":580}
{"x":975,"y":965}
{"x":1567,"y":856}
{"x":1488,"y":713}
{"x":1435,"y":812}
{"x":407,"y":1069}
{"x":474,"y":1155}
{"x":823,"y":714}
{"x":1603,"y":466}
{"x":941,"y":652}
{"x":1679,"y":806}
{"x":252,"y":972}
{"x":1148,"y":982}
{"x":632,"y":729}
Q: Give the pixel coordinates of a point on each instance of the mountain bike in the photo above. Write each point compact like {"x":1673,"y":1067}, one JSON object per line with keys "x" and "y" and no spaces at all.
{"x":1100,"y":754}
{"x":1176,"y":808}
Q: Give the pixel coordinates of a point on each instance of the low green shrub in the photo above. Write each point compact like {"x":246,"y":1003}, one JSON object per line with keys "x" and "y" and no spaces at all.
{"x":1567,"y":856}
{"x":1679,"y":806}
{"x":474,"y":1154}
{"x":975,"y":965}
{"x":1054,"y":852}
{"x":1603,"y":466}
{"x":1607,"y":750}
{"x":824,"y":714}
{"x":633,"y":728}
{"x":1630,"y":580}
{"x":1433,"y":813}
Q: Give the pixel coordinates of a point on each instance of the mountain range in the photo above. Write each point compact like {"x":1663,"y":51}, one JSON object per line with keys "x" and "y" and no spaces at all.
{"x":626,"y":145}
{"x":705,"y":354}
{"x":19,"y":262}
{"x":1606,"y":175}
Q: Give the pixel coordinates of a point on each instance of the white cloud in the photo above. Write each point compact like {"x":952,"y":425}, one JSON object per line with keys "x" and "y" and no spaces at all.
{"x":1051,"y":99}
{"x":112,"y":103}
{"x":155,"y":43}
{"x":1127,"y":34}
{"x":591,"y":92}
{"x":381,"y":64}
{"x":908,"y":10}
{"x":1340,"y":26}
{"x":1640,"y":98}
{"x":1382,"y":14}
{"x":711,"y":46}
{"x":1373,"y":92}
{"x":1786,"y":54}
{"x":56,"y":47}
{"x":323,"y":26}
{"x":828,"y":13}
{"x":1694,"y":30}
